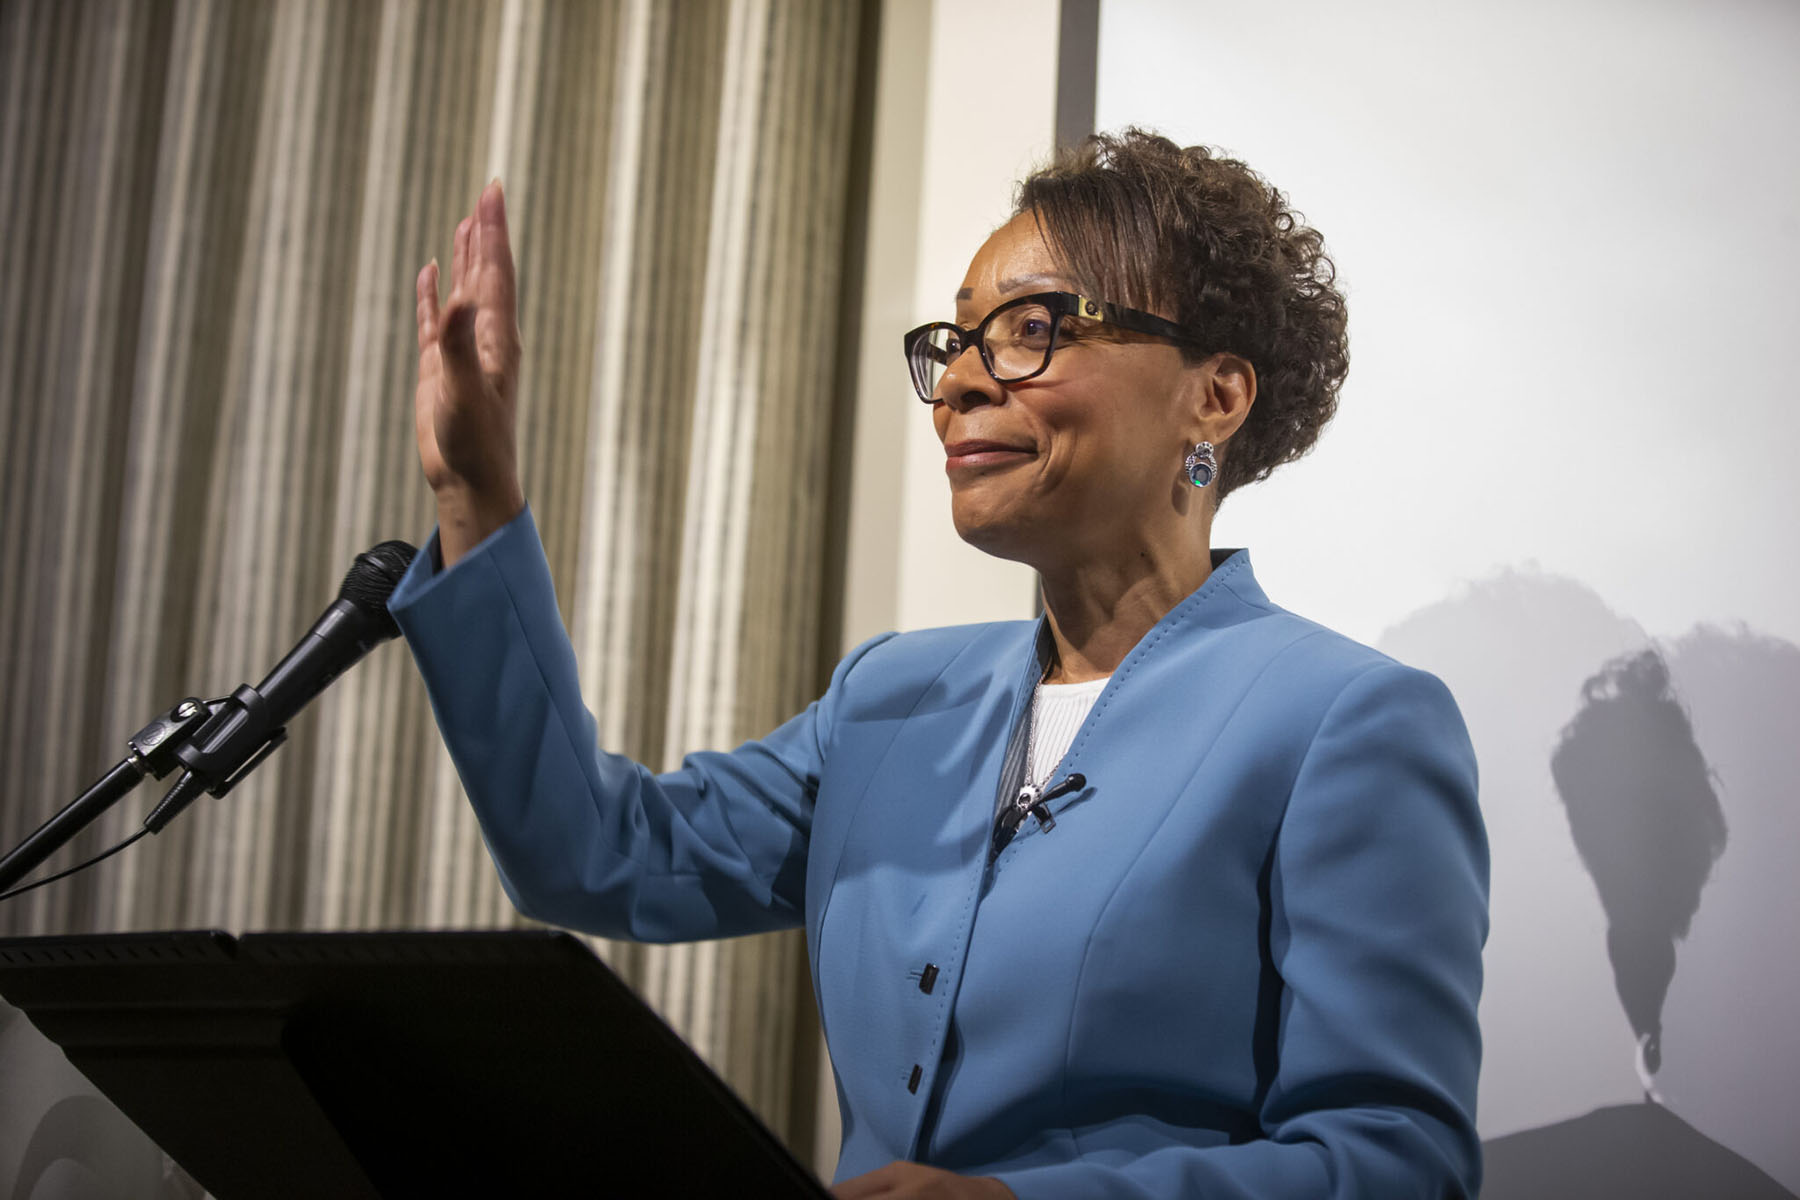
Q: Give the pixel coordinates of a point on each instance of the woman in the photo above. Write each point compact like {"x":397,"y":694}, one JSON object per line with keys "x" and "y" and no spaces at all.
{"x":1169,"y":894}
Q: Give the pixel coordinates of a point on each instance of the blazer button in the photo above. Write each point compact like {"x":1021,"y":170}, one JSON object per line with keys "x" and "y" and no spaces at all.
{"x":912,"y":1085}
{"x":928,"y":978}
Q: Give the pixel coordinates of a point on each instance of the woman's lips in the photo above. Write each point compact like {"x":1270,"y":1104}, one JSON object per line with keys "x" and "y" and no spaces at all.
{"x":970,"y":454}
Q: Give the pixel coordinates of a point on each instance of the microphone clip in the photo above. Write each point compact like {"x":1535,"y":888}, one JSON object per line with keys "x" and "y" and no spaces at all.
{"x":236,"y":737}
{"x":152,"y":749}
{"x":1035,"y":802}
{"x":233,"y":741}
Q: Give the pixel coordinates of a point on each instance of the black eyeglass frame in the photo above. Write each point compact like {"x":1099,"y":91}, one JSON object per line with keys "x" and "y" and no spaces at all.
{"x":1060,"y":305}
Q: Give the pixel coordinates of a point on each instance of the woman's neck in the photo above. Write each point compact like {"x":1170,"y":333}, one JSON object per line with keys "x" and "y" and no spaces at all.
{"x":1099,"y":608}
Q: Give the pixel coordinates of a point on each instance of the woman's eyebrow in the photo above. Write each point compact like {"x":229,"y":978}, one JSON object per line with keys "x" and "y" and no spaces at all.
{"x":1019,"y":283}
{"x":1016,"y":284}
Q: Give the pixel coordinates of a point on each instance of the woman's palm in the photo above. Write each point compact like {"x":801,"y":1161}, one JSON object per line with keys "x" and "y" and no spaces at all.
{"x":465,"y":404}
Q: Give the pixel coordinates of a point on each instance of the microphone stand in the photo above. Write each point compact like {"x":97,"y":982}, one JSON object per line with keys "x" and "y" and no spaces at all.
{"x":218,"y":742}
{"x":152,"y":752}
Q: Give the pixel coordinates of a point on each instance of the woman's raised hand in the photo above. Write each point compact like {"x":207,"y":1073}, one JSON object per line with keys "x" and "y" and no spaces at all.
{"x":465,"y":406}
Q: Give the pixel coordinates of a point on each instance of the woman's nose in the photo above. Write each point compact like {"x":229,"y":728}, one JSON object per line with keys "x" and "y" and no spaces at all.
{"x":966,"y":382}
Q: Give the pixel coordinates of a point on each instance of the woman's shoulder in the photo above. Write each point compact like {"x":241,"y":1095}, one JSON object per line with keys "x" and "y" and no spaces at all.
{"x":928,"y":653}
{"x":1235,"y":626}
{"x":898,"y":675}
{"x":1297,"y":643}
{"x":1311,"y":665}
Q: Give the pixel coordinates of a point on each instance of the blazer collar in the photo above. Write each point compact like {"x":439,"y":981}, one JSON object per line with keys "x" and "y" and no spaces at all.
{"x":1231,"y":573}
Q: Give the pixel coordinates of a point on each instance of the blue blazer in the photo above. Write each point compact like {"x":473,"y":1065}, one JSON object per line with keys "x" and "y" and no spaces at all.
{"x":1244,"y":961}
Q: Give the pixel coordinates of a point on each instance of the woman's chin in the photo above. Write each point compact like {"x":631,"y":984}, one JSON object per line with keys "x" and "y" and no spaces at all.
{"x":999,"y":535}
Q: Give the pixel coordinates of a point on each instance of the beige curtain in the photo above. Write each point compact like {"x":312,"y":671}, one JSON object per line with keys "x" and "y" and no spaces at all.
{"x":213,"y":212}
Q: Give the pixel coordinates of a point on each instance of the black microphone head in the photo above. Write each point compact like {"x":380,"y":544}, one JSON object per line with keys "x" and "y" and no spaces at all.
{"x":373,"y":577}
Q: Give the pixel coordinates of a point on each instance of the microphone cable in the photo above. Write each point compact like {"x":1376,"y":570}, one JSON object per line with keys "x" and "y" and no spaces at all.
{"x":98,"y":858}
{"x":222,"y":741}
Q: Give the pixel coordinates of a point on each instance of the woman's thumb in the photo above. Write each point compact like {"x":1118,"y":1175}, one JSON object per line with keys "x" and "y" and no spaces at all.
{"x":456,"y":342}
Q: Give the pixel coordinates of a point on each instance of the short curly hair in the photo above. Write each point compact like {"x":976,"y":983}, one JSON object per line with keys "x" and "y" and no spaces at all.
{"x":1209,"y":243}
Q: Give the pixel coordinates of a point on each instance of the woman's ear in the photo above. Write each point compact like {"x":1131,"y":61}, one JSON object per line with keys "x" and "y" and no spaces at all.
{"x":1224,"y":389}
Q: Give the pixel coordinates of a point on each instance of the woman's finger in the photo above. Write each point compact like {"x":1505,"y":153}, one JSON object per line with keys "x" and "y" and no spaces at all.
{"x":456,"y":342}
{"x":427,"y":312}
{"x":472,"y":269}
{"x":495,"y":283}
{"x":459,"y":254}
{"x":498,"y":279}
{"x":870,"y":1184}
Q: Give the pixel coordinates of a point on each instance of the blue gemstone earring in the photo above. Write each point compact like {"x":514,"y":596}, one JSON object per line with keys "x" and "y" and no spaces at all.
{"x":1201,"y":465}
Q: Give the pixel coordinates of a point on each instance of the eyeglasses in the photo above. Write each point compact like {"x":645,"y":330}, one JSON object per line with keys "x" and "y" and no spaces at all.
{"x":1017,"y":339}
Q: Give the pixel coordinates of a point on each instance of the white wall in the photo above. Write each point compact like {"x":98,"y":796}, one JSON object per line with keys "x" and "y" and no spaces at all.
{"x":1569,"y":233}
{"x":956,"y":126}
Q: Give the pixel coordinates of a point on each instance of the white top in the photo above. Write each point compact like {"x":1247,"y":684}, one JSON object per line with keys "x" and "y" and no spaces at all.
{"x":1057,"y":711}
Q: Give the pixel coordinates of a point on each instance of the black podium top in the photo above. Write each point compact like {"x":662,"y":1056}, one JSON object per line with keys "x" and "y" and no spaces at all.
{"x":394,"y":1064}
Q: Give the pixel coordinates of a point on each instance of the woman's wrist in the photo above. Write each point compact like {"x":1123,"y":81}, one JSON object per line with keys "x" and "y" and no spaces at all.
{"x":467,"y":517}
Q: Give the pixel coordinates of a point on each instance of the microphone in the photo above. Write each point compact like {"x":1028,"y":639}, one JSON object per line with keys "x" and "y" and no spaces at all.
{"x":1034,"y":802}
{"x":247,"y":726}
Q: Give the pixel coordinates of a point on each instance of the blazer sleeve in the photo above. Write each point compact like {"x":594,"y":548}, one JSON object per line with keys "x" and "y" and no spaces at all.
{"x":583,"y":838}
{"x":1377,"y":913}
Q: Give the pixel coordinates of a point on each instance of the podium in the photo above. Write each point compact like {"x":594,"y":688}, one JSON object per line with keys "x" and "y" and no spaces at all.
{"x":348,"y":1065}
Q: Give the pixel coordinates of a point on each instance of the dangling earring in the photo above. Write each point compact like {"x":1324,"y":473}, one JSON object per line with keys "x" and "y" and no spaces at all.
{"x":1201,"y":465}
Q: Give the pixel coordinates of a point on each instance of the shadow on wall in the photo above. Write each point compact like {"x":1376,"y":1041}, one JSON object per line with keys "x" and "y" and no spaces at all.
{"x":1612,"y":771}
{"x":1649,"y":827}
{"x":1647,"y":824}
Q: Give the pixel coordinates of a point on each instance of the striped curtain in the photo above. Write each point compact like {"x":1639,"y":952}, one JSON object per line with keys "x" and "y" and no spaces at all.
{"x":213,"y":213}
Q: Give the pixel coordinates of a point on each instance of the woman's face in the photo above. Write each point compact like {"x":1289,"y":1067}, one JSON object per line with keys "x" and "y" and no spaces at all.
{"x":1082,"y":462}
